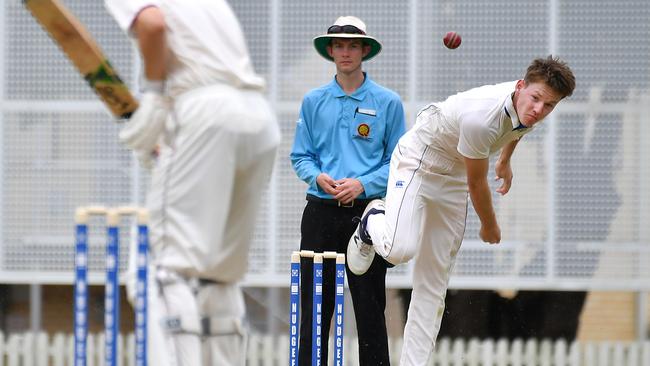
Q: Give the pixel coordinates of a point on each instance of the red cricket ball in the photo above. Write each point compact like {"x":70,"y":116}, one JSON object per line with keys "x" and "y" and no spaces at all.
{"x":452,"y":40}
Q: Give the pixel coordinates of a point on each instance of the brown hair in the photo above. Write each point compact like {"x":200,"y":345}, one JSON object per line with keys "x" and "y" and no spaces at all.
{"x":553,"y":72}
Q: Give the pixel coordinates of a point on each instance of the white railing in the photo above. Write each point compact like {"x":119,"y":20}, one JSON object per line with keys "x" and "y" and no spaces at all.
{"x":28,"y":349}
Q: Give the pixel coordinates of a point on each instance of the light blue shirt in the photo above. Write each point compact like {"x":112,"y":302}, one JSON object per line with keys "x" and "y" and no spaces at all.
{"x":348,"y":136}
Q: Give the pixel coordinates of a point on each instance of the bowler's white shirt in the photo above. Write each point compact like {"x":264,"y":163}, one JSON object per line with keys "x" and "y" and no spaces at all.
{"x":207,"y":46}
{"x":475,"y":123}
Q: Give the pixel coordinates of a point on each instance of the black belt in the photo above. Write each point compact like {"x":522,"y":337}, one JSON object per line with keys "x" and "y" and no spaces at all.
{"x":330,"y":202}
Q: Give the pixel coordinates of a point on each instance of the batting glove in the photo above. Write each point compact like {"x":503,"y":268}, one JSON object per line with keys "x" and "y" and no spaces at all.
{"x":147,"y":125}
{"x":147,"y":159}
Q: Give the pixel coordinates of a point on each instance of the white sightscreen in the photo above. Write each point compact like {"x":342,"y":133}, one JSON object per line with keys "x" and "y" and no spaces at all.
{"x":578,"y":214}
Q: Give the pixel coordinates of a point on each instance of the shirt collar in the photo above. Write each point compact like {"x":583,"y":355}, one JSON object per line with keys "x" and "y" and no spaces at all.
{"x":512,"y":113}
{"x":358,"y":94}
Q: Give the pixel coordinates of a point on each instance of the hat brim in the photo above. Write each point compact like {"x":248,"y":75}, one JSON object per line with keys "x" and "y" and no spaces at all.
{"x":321,"y":43}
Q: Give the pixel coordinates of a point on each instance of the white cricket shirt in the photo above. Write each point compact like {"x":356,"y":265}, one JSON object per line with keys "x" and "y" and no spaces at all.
{"x":205,"y":39}
{"x":476,"y":123}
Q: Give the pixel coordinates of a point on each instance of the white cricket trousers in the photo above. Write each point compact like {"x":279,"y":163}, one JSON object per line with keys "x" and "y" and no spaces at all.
{"x":426,"y":208}
{"x":207,"y":187}
{"x":216,"y":162}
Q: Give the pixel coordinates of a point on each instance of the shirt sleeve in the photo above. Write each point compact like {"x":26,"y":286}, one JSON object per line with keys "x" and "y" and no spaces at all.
{"x":303,"y":155}
{"x":374,"y":183}
{"x":475,"y":139}
{"x":125,"y":11}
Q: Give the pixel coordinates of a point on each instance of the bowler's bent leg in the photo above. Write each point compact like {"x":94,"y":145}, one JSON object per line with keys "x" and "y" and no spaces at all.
{"x":396,"y":234}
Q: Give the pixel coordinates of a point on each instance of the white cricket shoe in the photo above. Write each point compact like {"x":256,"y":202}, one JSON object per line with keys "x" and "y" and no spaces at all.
{"x":360,"y":253}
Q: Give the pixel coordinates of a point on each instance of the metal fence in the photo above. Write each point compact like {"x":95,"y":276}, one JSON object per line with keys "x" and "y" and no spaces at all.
{"x":576,"y":218}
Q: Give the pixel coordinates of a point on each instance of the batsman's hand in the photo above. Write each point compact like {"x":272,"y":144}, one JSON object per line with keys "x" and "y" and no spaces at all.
{"x":144,"y":129}
{"x":147,"y":159}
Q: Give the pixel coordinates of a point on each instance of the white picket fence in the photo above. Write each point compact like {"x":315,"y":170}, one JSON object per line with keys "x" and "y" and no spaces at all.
{"x":28,"y":349}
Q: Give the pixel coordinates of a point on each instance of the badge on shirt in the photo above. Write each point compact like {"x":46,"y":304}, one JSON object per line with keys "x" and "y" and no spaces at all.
{"x":363,"y":130}
{"x":367,"y":112}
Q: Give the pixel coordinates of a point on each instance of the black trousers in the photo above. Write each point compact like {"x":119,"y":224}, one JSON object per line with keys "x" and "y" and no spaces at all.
{"x":328,"y":228}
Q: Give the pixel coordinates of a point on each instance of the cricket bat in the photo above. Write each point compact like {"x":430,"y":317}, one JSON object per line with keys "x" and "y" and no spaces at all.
{"x":80,"y":47}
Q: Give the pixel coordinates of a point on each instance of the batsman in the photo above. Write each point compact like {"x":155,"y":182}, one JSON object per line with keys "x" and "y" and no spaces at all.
{"x":435,"y":165}
{"x":209,"y":136}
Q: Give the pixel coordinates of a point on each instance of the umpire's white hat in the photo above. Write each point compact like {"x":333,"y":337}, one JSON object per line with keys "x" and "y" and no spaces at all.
{"x":347,"y":27}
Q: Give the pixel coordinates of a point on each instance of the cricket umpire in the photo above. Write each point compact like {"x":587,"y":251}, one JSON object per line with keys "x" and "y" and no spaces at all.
{"x":344,"y":138}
